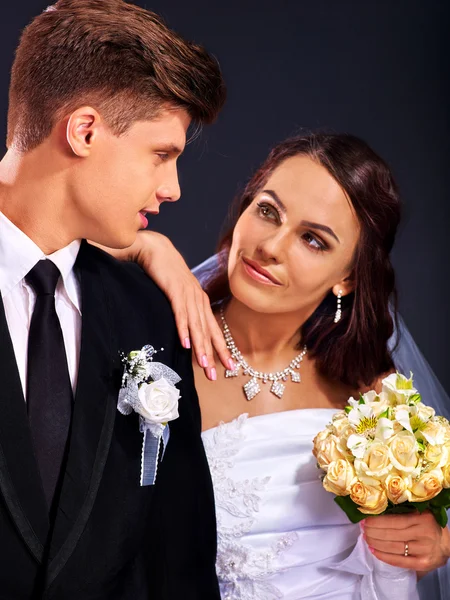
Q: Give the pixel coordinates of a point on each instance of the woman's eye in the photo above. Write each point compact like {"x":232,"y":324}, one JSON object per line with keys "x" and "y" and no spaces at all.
{"x":313,"y":242}
{"x":163,"y":155}
{"x":268,"y":211}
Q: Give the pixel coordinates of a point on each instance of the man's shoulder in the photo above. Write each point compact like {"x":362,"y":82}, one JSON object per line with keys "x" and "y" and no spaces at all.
{"x":127,"y":281}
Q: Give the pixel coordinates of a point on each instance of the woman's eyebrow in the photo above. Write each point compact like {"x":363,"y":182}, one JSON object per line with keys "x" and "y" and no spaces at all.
{"x":309,"y":224}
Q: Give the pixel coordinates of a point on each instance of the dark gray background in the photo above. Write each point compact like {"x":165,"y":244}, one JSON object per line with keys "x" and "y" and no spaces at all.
{"x":375,"y":69}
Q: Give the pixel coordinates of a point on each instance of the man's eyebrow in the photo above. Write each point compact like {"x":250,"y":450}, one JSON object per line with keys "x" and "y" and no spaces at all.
{"x":310,"y":224}
{"x":171,"y":148}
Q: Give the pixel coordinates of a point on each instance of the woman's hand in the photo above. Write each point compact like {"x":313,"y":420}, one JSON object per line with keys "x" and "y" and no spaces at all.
{"x":428,"y":544}
{"x":195,"y":320}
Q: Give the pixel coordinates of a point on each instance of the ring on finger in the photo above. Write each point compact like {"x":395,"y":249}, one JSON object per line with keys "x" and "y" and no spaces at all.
{"x":406,"y":551}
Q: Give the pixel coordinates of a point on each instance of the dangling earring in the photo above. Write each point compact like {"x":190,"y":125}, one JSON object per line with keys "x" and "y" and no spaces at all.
{"x":338,"y":315}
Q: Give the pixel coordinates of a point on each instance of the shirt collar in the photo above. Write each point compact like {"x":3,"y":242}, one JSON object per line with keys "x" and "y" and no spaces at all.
{"x":19,"y":254}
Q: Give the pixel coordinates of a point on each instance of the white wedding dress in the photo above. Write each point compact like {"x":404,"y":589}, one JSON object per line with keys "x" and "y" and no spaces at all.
{"x":280,"y":534}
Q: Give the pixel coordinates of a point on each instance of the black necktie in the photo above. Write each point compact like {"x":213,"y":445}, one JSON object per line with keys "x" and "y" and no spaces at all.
{"x":49,"y":391}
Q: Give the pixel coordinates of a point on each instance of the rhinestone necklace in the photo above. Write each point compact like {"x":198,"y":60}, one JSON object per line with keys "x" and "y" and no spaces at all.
{"x":252,"y":387}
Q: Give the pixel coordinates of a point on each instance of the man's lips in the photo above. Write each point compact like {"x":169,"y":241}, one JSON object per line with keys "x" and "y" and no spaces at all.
{"x":144,"y":220}
{"x":147,"y":211}
{"x":259,"y":273}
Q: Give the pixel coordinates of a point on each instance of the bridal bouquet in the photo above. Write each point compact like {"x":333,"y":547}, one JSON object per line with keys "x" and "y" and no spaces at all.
{"x":387,"y":453}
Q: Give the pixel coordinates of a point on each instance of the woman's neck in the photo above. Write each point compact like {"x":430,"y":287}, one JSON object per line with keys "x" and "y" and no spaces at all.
{"x":263,"y":338}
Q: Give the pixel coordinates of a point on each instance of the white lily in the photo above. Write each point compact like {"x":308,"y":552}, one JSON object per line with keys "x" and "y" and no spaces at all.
{"x":357,"y":444}
{"x":385,"y":429}
{"x":359,"y":412}
{"x":402,"y":415}
{"x":398,"y":388}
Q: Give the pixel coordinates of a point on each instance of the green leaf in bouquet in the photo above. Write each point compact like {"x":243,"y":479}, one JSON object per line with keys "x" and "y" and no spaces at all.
{"x":348,"y":409}
{"x":350,"y":508}
{"x":440,"y":514}
{"x":415,"y":398}
{"x":421,"y":445}
{"x":442,"y":499}
{"x":361,"y":399}
{"x":420,"y":506}
{"x":399,"y":509}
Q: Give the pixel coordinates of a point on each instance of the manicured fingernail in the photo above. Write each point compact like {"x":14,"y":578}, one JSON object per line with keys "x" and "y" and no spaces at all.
{"x":362,"y":525}
{"x":372,"y":549}
{"x":204,"y":361}
{"x":213,"y":374}
{"x":187,"y":342}
{"x":231,"y":364}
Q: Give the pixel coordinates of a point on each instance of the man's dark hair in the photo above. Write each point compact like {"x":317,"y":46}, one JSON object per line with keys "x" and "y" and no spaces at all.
{"x":116,"y":57}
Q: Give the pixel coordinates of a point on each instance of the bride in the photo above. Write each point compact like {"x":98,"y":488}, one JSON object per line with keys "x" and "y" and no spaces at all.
{"x":302,"y":286}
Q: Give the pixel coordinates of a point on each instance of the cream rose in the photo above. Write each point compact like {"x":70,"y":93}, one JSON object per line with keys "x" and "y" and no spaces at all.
{"x":319,"y":439}
{"x":376,"y":461}
{"x":436,"y":455}
{"x":427,"y":486}
{"x":343,"y":440}
{"x":369,"y":495}
{"x":328,"y":452}
{"x":446,"y":476}
{"x":340,"y":422}
{"x":424,"y":412}
{"x":403,"y":451}
{"x":397,"y":488}
{"x":446,"y":425}
{"x":339,"y":478}
{"x":158,"y":401}
{"x":434,"y":433}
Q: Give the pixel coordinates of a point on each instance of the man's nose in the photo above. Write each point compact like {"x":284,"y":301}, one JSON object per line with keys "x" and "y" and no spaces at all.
{"x":169,"y":190}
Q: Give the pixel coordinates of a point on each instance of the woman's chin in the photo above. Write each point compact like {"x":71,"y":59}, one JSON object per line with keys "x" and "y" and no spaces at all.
{"x":253,"y":297}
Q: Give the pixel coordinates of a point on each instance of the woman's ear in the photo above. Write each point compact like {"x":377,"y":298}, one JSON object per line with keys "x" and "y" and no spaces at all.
{"x":344,"y":287}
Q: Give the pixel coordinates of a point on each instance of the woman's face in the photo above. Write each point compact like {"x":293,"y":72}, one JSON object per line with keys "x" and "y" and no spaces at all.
{"x":295,"y":242}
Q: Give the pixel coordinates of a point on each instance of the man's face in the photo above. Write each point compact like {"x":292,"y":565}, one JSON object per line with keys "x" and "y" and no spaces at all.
{"x":126,"y":177}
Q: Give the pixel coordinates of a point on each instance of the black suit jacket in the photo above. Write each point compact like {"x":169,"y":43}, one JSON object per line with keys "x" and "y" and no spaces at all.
{"x":112,"y":539}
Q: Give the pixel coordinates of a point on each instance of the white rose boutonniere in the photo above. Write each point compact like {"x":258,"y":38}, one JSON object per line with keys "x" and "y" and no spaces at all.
{"x":158,"y":401}
{"x":148,"y":388}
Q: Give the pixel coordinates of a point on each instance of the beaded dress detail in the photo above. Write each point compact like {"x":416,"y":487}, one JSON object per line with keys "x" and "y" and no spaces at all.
{"x":280,"y":534}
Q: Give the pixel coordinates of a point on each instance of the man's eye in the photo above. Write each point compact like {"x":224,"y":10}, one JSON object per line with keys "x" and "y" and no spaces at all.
{"x":163,"y":156}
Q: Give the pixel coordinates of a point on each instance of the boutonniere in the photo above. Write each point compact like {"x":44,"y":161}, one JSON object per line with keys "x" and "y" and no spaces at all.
{"x":148,"y":388}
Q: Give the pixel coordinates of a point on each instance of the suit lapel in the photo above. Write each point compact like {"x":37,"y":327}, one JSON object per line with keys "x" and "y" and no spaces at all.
{"x":94,"y":413}
{"x":20,"y":482}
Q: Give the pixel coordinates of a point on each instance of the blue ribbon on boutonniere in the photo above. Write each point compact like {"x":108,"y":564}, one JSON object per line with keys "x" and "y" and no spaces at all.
{"x":148,"y":388}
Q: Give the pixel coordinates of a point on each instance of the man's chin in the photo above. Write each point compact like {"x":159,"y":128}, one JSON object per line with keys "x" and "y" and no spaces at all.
{"x":119,"y":242}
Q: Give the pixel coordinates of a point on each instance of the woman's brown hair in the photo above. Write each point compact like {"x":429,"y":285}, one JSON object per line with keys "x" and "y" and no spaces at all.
{"x":353,"y":351}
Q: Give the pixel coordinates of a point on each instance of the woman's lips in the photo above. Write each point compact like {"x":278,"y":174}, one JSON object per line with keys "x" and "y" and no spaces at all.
{"x":258,"y":273}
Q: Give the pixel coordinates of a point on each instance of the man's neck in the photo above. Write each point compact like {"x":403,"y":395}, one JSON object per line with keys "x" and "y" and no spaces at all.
{"x":33,"y":199}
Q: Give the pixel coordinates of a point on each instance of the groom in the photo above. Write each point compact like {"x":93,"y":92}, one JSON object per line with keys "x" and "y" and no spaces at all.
{"x":101,"y":97}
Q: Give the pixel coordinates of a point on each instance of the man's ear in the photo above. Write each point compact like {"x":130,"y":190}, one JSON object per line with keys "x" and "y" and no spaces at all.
{"x":82,"y":130}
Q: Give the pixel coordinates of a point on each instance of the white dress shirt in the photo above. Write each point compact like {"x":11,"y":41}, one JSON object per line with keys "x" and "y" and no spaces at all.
{"x":18,"y":255}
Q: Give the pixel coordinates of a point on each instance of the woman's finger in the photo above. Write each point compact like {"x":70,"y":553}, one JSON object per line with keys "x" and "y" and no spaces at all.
{"x":217,"y":339}
{"x":404,"y":562}
{"x":412,"y":547}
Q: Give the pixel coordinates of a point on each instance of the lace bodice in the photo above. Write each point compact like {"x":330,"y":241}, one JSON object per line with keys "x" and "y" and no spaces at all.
{"x":280,"y":535}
